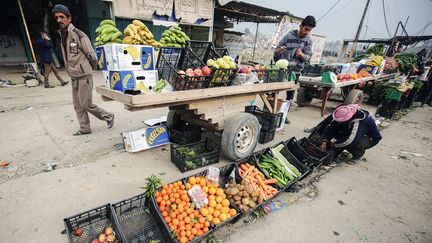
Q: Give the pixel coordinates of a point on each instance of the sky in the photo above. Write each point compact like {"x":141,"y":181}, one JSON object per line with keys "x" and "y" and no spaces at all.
{"x":343,"y":20}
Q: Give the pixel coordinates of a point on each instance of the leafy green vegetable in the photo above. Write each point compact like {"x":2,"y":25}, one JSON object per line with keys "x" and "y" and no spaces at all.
{"x":407,"y":61}
{"x":153,"y":183}
{"x":190,"y":165}
{"x":377,"y":49}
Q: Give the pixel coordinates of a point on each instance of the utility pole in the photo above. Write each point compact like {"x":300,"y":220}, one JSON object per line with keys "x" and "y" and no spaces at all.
{"x":358,"y":31}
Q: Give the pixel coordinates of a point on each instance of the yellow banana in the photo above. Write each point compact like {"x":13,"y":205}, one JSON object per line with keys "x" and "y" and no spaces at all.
{"x":133,"y":27}
{"x":148,"y":62}
{"x":141,"y":32}
{"x":126,"y":80}
{"x":132,"y":50}
{"x":114,"y":79}
{"x":127,"y":40}
{"x":139,"y":23}
{"x":128,"y":32}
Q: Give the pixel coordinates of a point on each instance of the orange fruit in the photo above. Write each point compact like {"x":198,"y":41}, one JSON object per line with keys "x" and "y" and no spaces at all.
{"x":165,"y":197}
{"x":168,"y":219}
{"x":211,"y":210}
{"x":164,"y":213}
{"x":219,"y":192}
{"x":163,"y":203}
{"x":204,"y":211}
{"x":232,"y":212}
{"x":218,"y":206}
{"x":158,"y":199}
{"x":194,"y":231}
{"x":175,"y":222}
{"x":200,"y":232}
{"x":183,"y":239}
{"x":212,"y":203}
{"x":182,"y":228}
{"x":187,"y":220}
{"x":216,"y":213}
{"x":205,"y":189}
{"x":212,"y":197}
{"x":163,"y":192}
{"x":207,"y":224}
{"x":206,"y":229}
{"x":203,"y":182}
{"x":225,"y":203}
{"x":184,"y":197}
{"x":192,"y":180}
{"x":209,"y":218}
{"x":216,"y":221}
{"x":191,"y":237}
{"x":222,"y":217}
{"x":188,"y":233}
{"x":180,"y":217}
{"x":212,"y":191}
{"x":201,"y":220}
{"x":173,"y":215}
{"x":219,"y":199}
{"x":197,"y":180}
{"x":224,"y":210}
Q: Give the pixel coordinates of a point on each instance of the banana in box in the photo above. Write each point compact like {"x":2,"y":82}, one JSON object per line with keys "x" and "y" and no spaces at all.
{"x":116,"y":57}
{"x":123,"y":81}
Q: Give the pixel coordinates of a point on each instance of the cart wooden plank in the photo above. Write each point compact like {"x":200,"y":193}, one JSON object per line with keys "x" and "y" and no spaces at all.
{"x":149,"y":101}
{"x":317,"y":81}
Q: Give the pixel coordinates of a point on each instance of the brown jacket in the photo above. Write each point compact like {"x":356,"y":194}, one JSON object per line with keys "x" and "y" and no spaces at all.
{"x":79,"y":57}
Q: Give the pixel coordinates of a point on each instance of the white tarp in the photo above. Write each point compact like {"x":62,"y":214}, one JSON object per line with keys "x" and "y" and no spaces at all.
{"x":188,"y":10}
{"x":318,"y":43}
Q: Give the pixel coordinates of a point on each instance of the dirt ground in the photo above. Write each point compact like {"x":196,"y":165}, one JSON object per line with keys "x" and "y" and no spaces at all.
{"x":386,"y":198}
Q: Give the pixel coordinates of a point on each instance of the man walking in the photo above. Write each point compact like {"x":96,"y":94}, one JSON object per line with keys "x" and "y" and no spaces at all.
{"x":296,"y":46}
{"x":80,"y":61}
{"x":45,"y":45}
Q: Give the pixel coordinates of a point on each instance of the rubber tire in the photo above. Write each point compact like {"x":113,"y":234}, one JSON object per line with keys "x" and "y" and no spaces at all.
{"x":172,"y":118}
{"x":353,"y":96}
{"x":302,"y":97}
{"x":232,"y":126}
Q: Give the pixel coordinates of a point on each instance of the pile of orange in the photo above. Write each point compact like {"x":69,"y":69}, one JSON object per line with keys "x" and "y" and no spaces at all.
{"x":183,"y":220}
{"x":218,"y":209}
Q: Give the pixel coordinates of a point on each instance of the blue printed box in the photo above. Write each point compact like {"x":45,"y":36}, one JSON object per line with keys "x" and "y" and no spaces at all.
{"x":145,"y":138}
{"x":119,"y":57}
{"x":133,"y":80}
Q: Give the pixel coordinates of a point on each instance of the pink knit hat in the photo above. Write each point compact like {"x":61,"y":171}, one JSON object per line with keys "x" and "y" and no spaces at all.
{"x":345,"y":112}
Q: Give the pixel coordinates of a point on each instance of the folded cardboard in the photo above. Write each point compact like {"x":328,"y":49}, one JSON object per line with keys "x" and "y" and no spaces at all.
{"x":145,"y":138}
{"x":118,"y":57}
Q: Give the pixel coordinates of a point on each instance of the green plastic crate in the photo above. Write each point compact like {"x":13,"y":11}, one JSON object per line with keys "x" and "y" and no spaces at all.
{"x":393,"y":95}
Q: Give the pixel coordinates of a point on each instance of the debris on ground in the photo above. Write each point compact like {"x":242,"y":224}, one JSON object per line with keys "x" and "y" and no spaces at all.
{"x":4,"y":164}
{"x":49,"y":167}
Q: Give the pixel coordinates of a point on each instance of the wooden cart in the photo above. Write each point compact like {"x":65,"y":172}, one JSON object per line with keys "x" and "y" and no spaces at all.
{"x":352,"y":93}
{"x":218,"y":109}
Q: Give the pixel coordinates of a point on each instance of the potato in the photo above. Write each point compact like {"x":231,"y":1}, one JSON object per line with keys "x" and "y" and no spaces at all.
{"x":249,"y":190}
{"x":260,"y":199}
{"x":234,"y":191}
{"x":252,"y":204}
{"x":245,"y":201}
{"x":244,"y":207}
{"x":227,"y":191}
{"x":231,"y":185}
{"x":245,"y":195}
{"x":255,"y":199}
{"x":238,"y":203}
{"x":254,"y":194}
{"x":237,"y":198}
{"x":241,"y":187}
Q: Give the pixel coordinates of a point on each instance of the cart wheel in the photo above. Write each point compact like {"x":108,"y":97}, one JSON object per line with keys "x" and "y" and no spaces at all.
{"x":172,"y":118}
{"x":304,"y":96}
{"x":355,"y":96}
{"x":240,"y":136}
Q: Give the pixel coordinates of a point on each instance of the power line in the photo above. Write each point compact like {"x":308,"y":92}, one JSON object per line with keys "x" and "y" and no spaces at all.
{"x":340,"y":9}
{"x":328,"y":11}
{"x":385,"y":19}
{"x":424,"y":28}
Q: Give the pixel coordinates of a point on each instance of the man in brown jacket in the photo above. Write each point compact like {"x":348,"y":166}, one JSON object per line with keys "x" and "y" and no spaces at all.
{"x":80,"y":61}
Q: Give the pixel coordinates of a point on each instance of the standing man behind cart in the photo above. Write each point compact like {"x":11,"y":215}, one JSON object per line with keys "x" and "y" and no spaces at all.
{"x":80,"y":61}
{"x":296,"y":46}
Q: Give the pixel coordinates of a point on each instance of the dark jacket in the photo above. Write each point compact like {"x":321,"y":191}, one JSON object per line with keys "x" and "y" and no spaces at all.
{"x":44,"y":50}
{"x":349,"y":133}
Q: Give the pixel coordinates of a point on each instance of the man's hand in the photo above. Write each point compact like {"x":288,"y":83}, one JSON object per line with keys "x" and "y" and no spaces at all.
{"x":45,"y":36}
{"x":300,"y":54}
{"x":280,"y":50}
{"x":323,"y":146}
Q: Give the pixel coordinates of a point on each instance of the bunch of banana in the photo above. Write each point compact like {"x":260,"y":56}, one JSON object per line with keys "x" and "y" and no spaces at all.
{"x":174,"y":37}
{"x":138,"y":33}
{"x":376,"y":61}
{"x":107,"y":33}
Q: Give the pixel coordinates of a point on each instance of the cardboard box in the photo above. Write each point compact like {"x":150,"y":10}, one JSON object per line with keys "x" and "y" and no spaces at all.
{"x":145,"y":138}
{"x":133,"y":80}
{"x":106,"y":78}
{"x":366,"y":68}
{"x":118,"y":57}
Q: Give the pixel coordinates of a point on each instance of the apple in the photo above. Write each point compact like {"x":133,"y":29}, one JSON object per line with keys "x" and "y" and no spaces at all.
{"x":232,"y":65}
{"x":206,"y":70}
{"x":219,"y":61}
{"x":226,"y":59}
{"x":210,"y":62}
{"x":78,"y":232}
{"x":96,"y":241}
{"x":249,"y":69}
{"x":102,"y":237}
{"x":197,"y":72}
{"x":216,"y":65}
{"x":111,"y":238}
{"x":108,"y":231}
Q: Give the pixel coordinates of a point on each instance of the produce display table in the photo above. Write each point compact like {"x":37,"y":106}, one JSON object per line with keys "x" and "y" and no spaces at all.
{"x":219,"y":109}
{"x":312,"y":87}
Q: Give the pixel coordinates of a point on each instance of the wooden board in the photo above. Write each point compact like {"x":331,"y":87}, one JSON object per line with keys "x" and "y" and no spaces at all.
{"x":149,"y":101}
{"x":317,"y":82}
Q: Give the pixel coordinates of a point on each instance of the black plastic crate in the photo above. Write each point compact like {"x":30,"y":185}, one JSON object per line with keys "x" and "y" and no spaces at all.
{"x":410,"y":99}
{"x":277,"y":75}
{"x":252,"y":160}
{"x":163,"y":226}
{"x":317,"y":70}
{"x":295,"y":148}
{"x":222,"y":77}
{"x":266,"y":136}
{"x":222,"y":51}
{"x":93,"y":222}
{"x":268,"y":121}
{"x":135,"y":221}
{"x":224,"y":174}
{"x":184,"y":133}
{"x":318,"y":156}
{"x":388,"y":108}
{"x":210,"y":154}
{"x":172,"y":60}
{"x":204,"y":50}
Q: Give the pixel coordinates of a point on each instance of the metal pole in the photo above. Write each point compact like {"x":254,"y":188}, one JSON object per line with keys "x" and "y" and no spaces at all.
{"x":210,"y":37}
{"x":256,"y":35}
{"x":358,"y":31}
{"x":27,"y":33}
